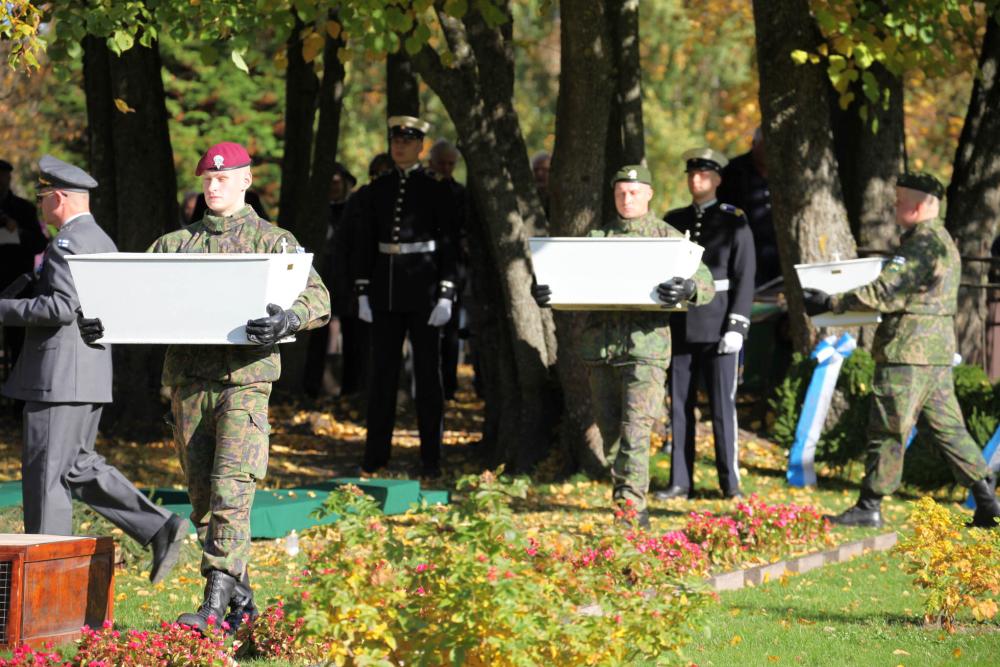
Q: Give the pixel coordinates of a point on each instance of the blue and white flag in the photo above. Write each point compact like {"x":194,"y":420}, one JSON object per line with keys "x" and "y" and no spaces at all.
{"x":829,"y":354}
{"x":992,"y":455}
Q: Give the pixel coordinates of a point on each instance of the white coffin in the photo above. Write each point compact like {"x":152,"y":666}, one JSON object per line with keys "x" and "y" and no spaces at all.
{"x":837,"y":277}
{"x":610,"y":274}
{"x":179,"y":298}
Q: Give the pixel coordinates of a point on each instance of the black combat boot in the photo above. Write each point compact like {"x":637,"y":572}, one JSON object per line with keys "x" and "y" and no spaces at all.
{"x":219,"y":589}
{"x":867,"y":512}
{"x":242,"y":605}
{"x":987,"y":507}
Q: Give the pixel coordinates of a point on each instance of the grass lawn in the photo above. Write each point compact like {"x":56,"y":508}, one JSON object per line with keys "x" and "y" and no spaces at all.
{"x":862,"y":613}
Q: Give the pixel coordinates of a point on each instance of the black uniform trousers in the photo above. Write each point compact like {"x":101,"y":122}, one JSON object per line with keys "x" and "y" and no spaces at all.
{"x":450,"y":345}
{"x":353,"y":351}
{"x":388,"y":331}
{"x":691,"y":361}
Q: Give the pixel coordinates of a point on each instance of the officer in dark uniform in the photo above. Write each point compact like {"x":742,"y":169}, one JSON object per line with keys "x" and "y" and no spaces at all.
{"x":405,"y":282}
{"x":707,"y":339}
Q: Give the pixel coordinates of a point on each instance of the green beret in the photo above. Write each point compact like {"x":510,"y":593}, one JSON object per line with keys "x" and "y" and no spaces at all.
{"x":633,"y":173}
{"x":921,"y":182}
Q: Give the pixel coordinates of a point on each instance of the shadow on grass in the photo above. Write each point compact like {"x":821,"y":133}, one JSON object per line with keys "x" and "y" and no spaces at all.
{"x":820,"y":618}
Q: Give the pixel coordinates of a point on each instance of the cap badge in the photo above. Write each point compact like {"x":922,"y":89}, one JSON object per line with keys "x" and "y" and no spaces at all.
{"x":632,"y":173}
{"x":218,"y":160}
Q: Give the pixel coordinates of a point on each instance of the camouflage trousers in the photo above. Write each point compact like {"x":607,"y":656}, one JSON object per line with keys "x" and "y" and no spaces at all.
{"x":901,"y":393}
{"x":221,"y":436}
{"x":627,"y":400}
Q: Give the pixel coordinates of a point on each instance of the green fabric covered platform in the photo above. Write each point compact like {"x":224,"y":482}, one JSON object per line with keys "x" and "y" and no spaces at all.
{"x":276,"y":513}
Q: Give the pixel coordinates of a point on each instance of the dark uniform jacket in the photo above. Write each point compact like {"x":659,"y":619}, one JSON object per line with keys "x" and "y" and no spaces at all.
{"x":19,"y":258}
{"x":55,"y":365}
{"x":744,"y":187}
{"x":729,"y":254}
{"x":395,"y":212}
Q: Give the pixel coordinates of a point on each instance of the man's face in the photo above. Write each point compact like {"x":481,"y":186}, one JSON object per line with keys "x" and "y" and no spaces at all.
{"x":912,"y":206}
{"x":702,"y":184}
{"x":224,"y":190}
{"x":50,"y":201}
{"x":405,"y":150}
{"x":338,"y":188}
{"x":443,"y":163}
{"x":632,"y":199}
{"x":541,"y":171}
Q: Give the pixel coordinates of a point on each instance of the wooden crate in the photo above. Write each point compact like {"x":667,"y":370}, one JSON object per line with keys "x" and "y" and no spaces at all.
{"x":52,"y":585}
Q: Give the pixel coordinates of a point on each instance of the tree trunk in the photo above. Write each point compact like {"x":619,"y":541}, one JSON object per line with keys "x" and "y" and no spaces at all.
{"x":133,"y":78}
{"x":579,"y":192}
{"x":808,"y":208}
{"x":478,"y":94}
{"x":870,"y":161}
{"x":624,"y":15}
{"x":402,"y":95}
{"x":974,"y":196}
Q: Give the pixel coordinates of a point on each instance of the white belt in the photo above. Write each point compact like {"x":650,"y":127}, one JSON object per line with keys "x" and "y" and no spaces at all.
{"x":406,"y":248}
{"x":722,"y":285}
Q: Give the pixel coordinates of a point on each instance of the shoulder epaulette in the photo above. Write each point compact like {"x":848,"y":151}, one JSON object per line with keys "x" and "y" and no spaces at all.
{"x":732,"y":210}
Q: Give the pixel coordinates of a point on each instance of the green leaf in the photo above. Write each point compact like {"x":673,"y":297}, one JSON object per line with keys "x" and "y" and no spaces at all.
{"x":799,"y":57}
{"x":863,"y":56}
{"x":120,"y":41}
{"x":237,"y":56}
{"x":870,"y":87}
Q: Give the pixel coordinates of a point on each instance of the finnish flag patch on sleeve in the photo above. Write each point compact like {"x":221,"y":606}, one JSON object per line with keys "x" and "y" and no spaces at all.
{"x":899,"y":260}
{"x":62,"y":243}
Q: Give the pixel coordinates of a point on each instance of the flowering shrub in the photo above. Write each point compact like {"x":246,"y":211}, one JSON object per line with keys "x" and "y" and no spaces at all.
{"x":23,"y":656}
{"x":272,"y":635}
{"x":463,"y":585}
{"x":173,"y":646}
{"x":755,"y":529}
{"x":957,"y":566}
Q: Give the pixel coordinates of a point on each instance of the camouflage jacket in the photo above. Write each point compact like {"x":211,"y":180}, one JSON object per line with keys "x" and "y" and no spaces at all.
{"x":237,"y":364}
{"x":917,"y":294}
{"x":621,"y":337}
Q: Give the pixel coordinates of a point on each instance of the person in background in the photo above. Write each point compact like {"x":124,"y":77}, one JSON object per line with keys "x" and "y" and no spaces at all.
{"x":188,"y":205}
{"x":65,"y":383}
{"x":707,"y":339}
{"x":540,"y":164}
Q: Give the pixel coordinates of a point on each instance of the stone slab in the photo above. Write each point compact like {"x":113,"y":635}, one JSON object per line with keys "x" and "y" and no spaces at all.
{"x":806,"y":563}
{"x":729,"y":581}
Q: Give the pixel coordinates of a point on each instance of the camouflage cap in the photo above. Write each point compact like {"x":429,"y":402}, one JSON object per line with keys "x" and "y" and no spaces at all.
{"x":921,"y":182}
{"x":407,"y":126}
{"x":633,"y":173}
{"x":704,"y":159}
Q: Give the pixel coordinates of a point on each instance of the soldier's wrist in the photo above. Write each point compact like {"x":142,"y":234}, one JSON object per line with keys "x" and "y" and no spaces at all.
{"x":738,"y":323}
{"x":361,"y":287}
{"x":446,"y":290}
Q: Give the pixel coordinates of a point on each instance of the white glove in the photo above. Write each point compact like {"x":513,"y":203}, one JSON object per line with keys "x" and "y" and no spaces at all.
{"x":732,"y":342}
{"x":441,"y":313}
{"x":364,"y":310}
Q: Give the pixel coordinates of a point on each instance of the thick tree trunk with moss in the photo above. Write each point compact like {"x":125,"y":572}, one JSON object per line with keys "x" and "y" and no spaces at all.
{"x":974,"y":196}
{"x":579,"y":190}
{"x":810,"y":219}
{"x":478,"y":94}
{"x":134,"y":211}
{"x":402,"y":93}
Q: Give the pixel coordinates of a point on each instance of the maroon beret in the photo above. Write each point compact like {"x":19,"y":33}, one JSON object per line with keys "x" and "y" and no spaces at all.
{"x":223,"y":157}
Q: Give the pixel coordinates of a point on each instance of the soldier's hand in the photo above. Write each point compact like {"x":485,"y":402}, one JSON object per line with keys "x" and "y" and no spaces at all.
{"x":731,"y":343}
{"x":675,"y":291}
{"x":816,"y":301}
{"x":91,"y":328}
{"x":441,"y":313}
{"x":542,"y":294}
{"x":364,"y":309}
{"x":271,"y":329}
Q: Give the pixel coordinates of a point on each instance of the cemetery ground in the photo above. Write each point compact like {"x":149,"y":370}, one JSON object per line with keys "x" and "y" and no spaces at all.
{"x":863,"y":612}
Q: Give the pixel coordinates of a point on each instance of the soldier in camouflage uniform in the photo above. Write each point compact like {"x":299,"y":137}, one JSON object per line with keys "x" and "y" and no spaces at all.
{"x":628,"y":352}
{"x":917,"y":294}
{"x":219,"y":394}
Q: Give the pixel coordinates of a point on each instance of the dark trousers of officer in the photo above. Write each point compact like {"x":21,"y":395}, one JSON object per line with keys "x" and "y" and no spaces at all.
{"x":59,"y":463}
{"x":354,"y":356}
{"x":449,"y":354}
{"x":389,"y":329}
{"x":691,"y":361}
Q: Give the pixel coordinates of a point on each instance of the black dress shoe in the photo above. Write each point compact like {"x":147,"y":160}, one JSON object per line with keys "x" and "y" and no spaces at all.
{"x":219,"y":589}
{"x":166,"y":547}
{"x":858,"y":516}
{"x":671,"y":493}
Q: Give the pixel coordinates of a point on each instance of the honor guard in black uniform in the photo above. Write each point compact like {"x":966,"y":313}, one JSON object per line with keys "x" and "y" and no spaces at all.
{"x":707,"y":339}
{"x":405,"y":283}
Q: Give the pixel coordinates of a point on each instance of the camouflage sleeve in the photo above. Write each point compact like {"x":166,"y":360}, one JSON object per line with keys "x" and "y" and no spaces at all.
{"x":902,"y":276}
{"x":313,"y":305}
{"x":705,"y":285}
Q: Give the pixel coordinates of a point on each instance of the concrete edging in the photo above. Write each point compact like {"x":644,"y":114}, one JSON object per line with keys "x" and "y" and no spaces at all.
{"x":760,"y":574}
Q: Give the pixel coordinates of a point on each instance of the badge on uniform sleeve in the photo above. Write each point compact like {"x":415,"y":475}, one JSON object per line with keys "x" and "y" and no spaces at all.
{"x":299,"y":249}
{"x":62,"y":243}
{"x":898,"y":260}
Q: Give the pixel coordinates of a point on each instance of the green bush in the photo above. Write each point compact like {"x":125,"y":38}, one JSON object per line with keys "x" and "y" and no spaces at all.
{"x":844,"y":437}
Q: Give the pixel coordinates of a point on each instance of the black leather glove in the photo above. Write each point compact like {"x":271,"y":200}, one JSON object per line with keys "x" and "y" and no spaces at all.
{"x":542,"y":294}
{"x":817,"y":301}
{"x":268,"y":330}
{"x":91,"y":329}
{"x":675,"y":291}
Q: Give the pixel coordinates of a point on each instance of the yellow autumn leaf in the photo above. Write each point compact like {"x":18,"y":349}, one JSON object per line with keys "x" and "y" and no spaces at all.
{"x":333,"y":29}
{"x":900,"y":651}
{"x":799,"y":56}
{"x":122,"y":106}
{"x":957,"y":653}
{"x":311,"y":46}
{"x":736,"y":640}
